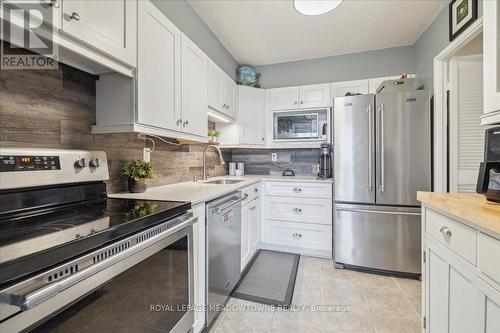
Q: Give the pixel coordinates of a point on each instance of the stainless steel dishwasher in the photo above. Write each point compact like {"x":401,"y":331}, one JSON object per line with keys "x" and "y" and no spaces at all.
{"x":223,"y":242}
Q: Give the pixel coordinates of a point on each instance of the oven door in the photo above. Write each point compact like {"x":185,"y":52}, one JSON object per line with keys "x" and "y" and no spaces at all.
{"x":296,"y":125}
{"x":148,"y":290}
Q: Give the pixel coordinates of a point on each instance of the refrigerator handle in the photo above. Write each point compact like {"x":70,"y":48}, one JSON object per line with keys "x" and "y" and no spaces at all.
{"x":370,"y":148}
{"x":382,"y":167}
{"x":373,"y":211}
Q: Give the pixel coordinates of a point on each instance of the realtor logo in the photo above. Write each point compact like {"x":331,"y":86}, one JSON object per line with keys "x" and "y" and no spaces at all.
{"x":27,"y":35}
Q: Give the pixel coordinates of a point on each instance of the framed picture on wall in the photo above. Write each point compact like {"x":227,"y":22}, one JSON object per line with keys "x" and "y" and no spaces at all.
{"x":462,"y":13}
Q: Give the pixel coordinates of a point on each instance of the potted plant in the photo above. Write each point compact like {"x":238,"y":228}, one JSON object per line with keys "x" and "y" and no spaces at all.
{"x":213,"y":135}
{"x":136,"y":173}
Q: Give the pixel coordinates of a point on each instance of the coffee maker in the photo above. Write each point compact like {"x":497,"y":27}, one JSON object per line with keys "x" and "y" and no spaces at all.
{"x":488,"y":182}
{"x":325,"y":161}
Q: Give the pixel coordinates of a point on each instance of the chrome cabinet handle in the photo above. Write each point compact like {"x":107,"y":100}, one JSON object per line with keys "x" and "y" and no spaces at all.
{"x":296,"y":235}
{"x":185,"y":123}
{"x":297,"y":210}
{"x":295,"y":103}
{"x":446,"y":231}
{"x":179,"y":121}
{"x":256,"y":190}
{"x":382,"y":166}
{"x":370,"y":148}
{"x":75,"y":16}
{"x":297,"y":190}
{"x":301,"y":102}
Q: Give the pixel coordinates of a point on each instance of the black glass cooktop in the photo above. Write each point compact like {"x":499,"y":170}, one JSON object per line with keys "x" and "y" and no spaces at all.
{"x":38,"y":239}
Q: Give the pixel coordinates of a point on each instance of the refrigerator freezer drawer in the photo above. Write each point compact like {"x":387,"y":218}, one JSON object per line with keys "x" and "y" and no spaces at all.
{"x":378,"y":237}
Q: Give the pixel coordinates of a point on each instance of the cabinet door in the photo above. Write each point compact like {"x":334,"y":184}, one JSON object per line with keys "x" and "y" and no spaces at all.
{"x":284,"y":98}
{"x":491,"y":64}
{"x":436,"y":292}
{"x":215,"y":87}
{"x":466,"y":305}
{"x":314,"y":96}
{"x":108,"y":25}
{"x":245,"y":234}
{"x":339,"y":89}
{"x":492,"y":322}
{"x":159,"y":69}
{"x":194,"y":88}
{"x":251,"y":109}
{"x":255,"y":227}
{"x":229,"y":96}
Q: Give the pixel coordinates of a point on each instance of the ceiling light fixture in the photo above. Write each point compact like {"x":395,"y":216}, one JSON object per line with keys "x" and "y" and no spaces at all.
{"x":315,"y":7}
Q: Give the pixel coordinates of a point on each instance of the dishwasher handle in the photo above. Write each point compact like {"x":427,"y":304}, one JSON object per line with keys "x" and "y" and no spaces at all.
{"x":219,"y":209}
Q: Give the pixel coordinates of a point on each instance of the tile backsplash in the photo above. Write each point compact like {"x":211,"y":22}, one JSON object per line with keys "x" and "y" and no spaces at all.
{"x":258,"y":161}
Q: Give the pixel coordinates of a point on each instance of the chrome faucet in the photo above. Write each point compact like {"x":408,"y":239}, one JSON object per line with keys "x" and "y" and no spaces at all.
{"x":204,"y":176}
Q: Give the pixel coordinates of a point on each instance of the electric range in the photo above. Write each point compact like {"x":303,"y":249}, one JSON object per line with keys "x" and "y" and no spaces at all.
{"x":59,"y":231}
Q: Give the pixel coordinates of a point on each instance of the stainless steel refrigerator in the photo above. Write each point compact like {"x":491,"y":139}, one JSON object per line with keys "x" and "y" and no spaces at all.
{"x":382,"y":157}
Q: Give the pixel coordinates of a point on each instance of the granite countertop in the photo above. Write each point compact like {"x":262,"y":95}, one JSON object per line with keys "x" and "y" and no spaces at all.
{"x":472,"y":208}
{"x":198,"y":192}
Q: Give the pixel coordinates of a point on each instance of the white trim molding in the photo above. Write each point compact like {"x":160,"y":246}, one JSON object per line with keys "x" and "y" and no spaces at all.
{"x":441,"y":74}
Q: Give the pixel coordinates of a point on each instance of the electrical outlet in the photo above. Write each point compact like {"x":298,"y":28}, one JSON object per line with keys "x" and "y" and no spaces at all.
{"x":146,"y":154}
{"x":274,"y":157}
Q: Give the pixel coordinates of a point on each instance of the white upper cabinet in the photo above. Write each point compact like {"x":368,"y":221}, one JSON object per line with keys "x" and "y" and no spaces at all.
{"x":313,"y":96}
{"x":339,"y":89}
{"x":284,"y":98}
{"x":310,"y":96}
{"x":159,"y":70}
{"x":251,"y":112}
{"x":168,"y":95}
{"x":194,"y":88}
{"x":491,"y":62}
{"x":221,"y":91}
{"x":108,"y":25}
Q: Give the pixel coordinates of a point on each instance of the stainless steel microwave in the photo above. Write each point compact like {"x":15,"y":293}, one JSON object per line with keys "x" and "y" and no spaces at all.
{"x":300,"y":125}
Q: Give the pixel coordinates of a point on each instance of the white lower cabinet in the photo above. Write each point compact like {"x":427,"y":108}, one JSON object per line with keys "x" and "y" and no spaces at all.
{"x":250,"y":223}
{"x":458,"y":297}
{"x":298,"y":217}
{"x":305,"y":236}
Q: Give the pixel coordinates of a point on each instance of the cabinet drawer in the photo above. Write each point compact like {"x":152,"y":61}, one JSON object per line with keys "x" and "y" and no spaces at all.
{"x":455,"y":235}
{"x":487,"y":261}
{"x":253,"y":191}
{"x":297,"y":189}
{"x":303,"y":235}
{"x":299,"y":210}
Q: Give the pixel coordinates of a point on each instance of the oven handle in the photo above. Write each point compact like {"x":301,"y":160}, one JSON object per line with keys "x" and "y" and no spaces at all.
{"x":33,"y":298}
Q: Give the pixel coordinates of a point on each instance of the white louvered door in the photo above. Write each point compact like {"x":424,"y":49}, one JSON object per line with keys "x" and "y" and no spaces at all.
{"x":466,"y":135}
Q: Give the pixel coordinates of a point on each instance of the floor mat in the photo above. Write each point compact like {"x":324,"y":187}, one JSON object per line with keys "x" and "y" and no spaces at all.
{"x":270,"y":278}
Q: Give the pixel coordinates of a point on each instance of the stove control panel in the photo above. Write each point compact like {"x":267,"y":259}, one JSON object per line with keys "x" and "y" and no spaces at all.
{"x":9,"y":163}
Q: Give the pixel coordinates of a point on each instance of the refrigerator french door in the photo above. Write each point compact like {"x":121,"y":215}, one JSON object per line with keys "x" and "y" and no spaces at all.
{"x":381,"y":159}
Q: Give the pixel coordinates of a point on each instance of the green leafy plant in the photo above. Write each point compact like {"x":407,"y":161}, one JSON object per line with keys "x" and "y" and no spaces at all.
{"x":213,"y":133}
{"x":138,"y":169}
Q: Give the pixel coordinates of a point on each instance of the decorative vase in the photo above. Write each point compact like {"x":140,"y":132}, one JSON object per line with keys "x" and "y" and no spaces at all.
{"x":213,"y":139}
{"x":139,"y":186}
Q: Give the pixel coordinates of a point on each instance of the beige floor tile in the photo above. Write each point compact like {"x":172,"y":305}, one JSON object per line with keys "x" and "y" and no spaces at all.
{"x":386,"y":299}
{"x":337,"y":295}
{"x":390,"y":322}
{"x":297,"y":321}
{"x":409,"y":286}
{"x":355,"y":321}
{"x":416,"y":301}
{"x":369,"y":280}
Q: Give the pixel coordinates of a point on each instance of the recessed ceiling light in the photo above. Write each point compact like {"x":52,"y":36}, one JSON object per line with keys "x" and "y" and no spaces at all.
{"x":315,"y":7}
